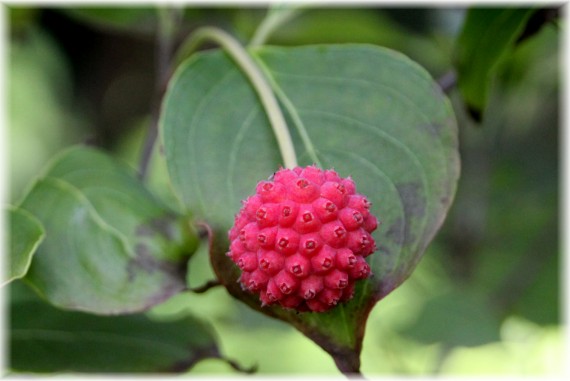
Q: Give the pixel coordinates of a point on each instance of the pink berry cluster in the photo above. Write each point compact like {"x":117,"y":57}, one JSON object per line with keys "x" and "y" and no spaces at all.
{"x":301,"y":240}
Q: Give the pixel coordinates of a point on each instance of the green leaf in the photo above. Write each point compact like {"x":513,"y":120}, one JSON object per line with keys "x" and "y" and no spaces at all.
{"x":133,"y":19}
{"x":111,"y":247}
{"x":26,"y":233}
{"x":46,"y":339}
{"x":487,"y":36}
{"x":369,"y":112}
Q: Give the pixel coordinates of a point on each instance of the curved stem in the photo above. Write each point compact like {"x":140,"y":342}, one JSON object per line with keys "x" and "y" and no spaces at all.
{"x":259,"y":83}
{"x":205,"y":287}
{"x":274,"y":19}
{"x":297,"y":121}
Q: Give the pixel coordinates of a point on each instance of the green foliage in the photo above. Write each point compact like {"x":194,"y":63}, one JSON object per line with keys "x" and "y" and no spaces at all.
{"x":126,"y":19}
{"x":46,"y":339}
{"x":111,"y":247}
{"x":26,"y":233}
{"x":104,"y":244}
{"x":380,"y":99}
{"x":487,"y":36}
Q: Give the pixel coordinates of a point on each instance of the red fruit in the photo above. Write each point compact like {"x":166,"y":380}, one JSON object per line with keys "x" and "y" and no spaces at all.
{"x":298,"y":265}
{"x":334,"y":233}
{"x":302,"y":190}
{"x":266,"y":237}
{"x":325,"y":209}
{"x":286,"y":282}
{"x":324,"y":261}
{"x":345,"y":259}
{"x":370,"y":223}
{"x":336,"y":279}
{"x":349,"y":185}
{"x":270,"y":262}
{"x":336,"y":192}
{"x":237,"y":248}
{"x":250,"y":206}
{"x":311,"y":286}
{"x":331,"y":175}
{"x":317,"y":306}
{"x":314,"y":174}
{"x":288,"y":213}
{"x":360,"y":242}
{"x":247,"y":261}
{"x":286,"y":241}
{"x":267,"y":215}
{"x":307,"y":220}
{"x":360,"y":203}
{"x":330,"y":297}
{"x":248,"y":235}
{"x":361,"y":269}
{"x":301,"y":239}
{"x":310,"y":244}
{"x":351,"y":218}
{"x":347,"y":293}
{"x":273,"y":292}
{"x":256,"y":280}
{"x":270,"y":191}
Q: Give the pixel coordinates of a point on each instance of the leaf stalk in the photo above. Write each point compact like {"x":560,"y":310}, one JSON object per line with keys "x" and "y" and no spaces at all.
{"x":242,"y":58}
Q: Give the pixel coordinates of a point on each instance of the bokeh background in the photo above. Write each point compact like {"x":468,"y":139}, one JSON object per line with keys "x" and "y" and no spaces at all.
{"x":486,"y":298}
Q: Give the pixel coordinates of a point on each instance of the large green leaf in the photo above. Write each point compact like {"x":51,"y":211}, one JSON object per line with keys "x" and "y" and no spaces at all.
{"x":111,"y":247}
{"x":46,"y":339}
{"x":486,"y":36}
{"x":369,"y":112}
{"x":26,"y":233}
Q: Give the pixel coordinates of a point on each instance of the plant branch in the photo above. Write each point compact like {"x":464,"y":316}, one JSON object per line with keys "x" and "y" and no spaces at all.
{"x":276,"y":16}
{"x":168,"y":20}
{"x":447,"y":81}
{"x":237,"y":52}
{"x":205,"y":287}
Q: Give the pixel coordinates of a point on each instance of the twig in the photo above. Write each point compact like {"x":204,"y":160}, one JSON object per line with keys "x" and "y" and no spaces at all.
{"x":205,"y":287}
{"x":447,"y":81}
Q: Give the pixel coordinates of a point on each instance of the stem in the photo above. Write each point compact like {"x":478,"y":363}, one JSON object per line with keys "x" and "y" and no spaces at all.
{"x":311,"y":151}
{"x":274,"y":19}
{"x":237,"y":52}
{"x":167,"y":24}
{"x":205,"y":287}
{"x":447,"y":81}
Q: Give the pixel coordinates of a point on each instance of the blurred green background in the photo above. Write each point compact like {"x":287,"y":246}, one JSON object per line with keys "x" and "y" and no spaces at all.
{"x":486,"y":297}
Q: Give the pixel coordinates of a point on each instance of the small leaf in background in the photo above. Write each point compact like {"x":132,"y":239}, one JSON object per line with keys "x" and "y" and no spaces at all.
{"x":26,"y":233}
{"x":45,"y":339}
{"x":369,"y":112}
{"x":487,"y":36}
{"x":111,"y":247}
